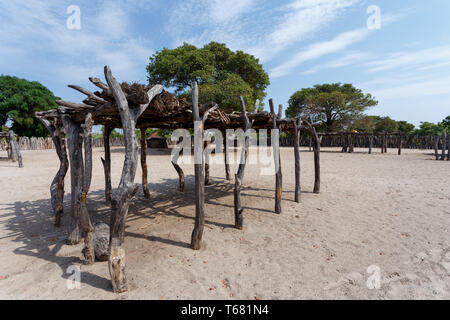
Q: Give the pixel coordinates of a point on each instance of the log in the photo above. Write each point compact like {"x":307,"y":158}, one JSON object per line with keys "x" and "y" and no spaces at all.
{"x":107,"y":164}
{"x":144,"y":164}
{"x":297,"y":194}
{"x":57,"y":186}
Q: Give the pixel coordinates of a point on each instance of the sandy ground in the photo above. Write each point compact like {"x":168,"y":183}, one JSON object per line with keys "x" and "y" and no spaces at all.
{"x":375,"y":212}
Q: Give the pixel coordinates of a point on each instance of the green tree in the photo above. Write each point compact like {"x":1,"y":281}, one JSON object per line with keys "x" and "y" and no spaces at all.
{"x":336,"y":104}
{"x":385,"y":124}
{"x":222,"y":74}
{"x":19,"y":100}
{"x":446,"y":124}
{"x":405,"y":127}
{"x":429,"y":129}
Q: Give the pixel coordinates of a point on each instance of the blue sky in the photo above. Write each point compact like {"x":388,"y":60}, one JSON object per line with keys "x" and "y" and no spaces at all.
{"x":405,"y":64}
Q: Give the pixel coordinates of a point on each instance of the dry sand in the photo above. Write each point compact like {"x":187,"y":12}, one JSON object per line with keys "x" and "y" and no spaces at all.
{"x":384,"y":210}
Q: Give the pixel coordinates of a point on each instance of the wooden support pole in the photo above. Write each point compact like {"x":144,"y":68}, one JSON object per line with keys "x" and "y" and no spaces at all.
{"x":297,"y":123}
{"x":238,"y":210}
{"x":57,"y":186}
{"x":197,"y":233}
{"x":178,"y":168}
{"x":226,"y":156}
{"x":277,"y":160}
{"x":444,"y":145}
{"x":436,"y":147}
{"x":74,"y":145}
{"x":385,"y":143}
{"x":107,"y":164}
{"x":206,"y":144}
{"x":85,"y":221}
{"x":144,"y":164}
{"x":370,"y":144}
{"x":316,"y":146}
{"x":400,"y":143}
{"x":127,"y":188}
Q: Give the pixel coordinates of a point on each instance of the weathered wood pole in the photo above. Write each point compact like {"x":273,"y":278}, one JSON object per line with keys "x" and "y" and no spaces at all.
{"x":316,"y":147}
{"x":436,"y":147}
{"x":85,"y":221}
{"x":370,"y":144}
{"x":74,"y":145}
{"x":107,"y":164}
{"x":178,"y":168}
{"x":144,"y":164}
{"x":127,"y":188}
{"x":385,"y":143}
{"x":297,"y":123}
{"x":239,"y":176}
{"x":206,"y":144}
{"x":197,"y":233}
{"x":14,"y":148}
{"x":57,"y":186}
{"x":444,"y":145}
{"x":400,"y":142}
{"x":277,"y":160}
{"x":344,"y":139}
{"x":226,"y":157}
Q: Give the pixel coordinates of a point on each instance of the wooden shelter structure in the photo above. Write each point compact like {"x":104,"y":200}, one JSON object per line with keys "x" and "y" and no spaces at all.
{"x":12,"y":148}
{"x":137,"y":106}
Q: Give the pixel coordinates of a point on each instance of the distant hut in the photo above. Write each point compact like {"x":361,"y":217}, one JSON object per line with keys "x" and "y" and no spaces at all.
{"x":155,"y":141}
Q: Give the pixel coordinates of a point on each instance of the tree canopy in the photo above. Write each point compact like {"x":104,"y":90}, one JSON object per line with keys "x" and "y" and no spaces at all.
{"x":222,"y":75}
{"x":19,"y":100}
{"x":335,"y":104}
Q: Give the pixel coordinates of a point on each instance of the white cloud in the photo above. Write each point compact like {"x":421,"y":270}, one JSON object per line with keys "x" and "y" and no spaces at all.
{"x":317,"y":50}
{"x":350,"y":58}
{"x":39,"y":29}
{"x":256,"y":27}
{"x":407,"y":60}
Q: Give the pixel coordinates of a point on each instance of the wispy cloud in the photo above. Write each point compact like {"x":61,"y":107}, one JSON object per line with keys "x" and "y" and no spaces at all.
{"x":412,"y":59}
{"x":39,"y":28}
{"x":347,"y":59}
{"x":256,"y":27}
{"x":317,"y":50}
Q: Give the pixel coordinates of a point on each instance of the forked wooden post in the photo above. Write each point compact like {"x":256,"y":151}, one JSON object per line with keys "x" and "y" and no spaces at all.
{"x":297,"y":123}
{"x":277,"y":159}
{"x":239,"y":176}
{"x":57,"y":186}
{"x":107,"y":164}
{"x":144,"y":164}
{"x":197,"y":233}
{"x":127,"y":188}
